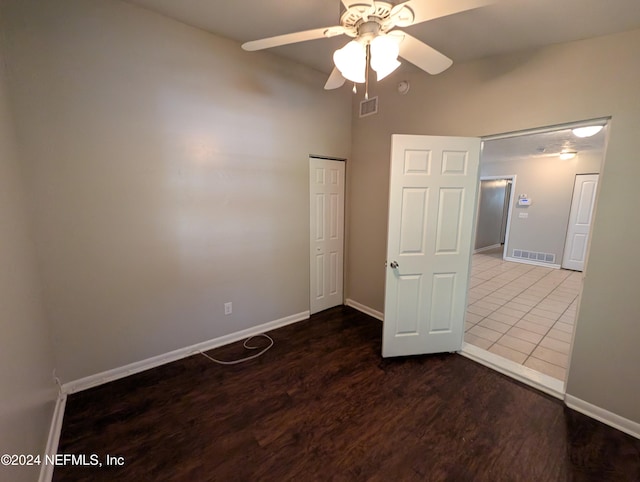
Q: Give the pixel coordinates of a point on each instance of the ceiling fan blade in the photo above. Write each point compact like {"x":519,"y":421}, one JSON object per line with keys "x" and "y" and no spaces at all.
{"x":399,"y":16}
{"x":335,"y":80}
{"x":424,"y":11}
{"x":423,"y":56}
{"x":290,"y":38}
{"x":398,"y":8}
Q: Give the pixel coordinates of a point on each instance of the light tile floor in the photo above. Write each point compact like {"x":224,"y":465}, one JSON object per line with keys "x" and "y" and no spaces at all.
{"x":522,"y":312}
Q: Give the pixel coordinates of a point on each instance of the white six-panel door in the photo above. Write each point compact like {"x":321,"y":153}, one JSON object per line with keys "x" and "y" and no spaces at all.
{"x":582,"y":204}
{"x":326,"y":187}
{"x":433,"y":188}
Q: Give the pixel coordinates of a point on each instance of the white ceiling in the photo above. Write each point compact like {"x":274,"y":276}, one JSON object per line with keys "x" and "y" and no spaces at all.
{"x":506,"y":26}
{"x":537,"y":145}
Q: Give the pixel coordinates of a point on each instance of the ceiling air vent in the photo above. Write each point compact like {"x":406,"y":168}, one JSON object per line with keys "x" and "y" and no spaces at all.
{"x":369,"y":107}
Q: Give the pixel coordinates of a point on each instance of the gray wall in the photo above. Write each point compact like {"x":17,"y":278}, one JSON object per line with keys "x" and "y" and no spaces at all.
{"x":27,"y":391}
{"x":590,"y":79}
{"x":548,"y":181}
{"x":168,"y":171}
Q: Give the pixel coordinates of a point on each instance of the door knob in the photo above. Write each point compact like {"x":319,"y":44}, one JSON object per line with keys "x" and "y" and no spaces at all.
{"x":394,"y":264}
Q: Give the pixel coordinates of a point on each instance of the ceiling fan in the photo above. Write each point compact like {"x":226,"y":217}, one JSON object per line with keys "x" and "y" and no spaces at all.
{"x":376,"y":43}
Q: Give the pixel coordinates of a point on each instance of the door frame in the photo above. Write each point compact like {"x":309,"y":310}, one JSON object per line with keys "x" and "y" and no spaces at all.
{"x":537,"y":380}
{"x":507,"y":177}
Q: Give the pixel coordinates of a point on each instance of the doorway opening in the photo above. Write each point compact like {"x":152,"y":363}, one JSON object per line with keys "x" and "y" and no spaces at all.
{"x":494,"y":210}
{"x":523,"y":297}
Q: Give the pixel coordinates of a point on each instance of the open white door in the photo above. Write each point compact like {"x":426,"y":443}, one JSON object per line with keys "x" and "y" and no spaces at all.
{"x":432,"y":198}
{"x":326,"y":188}
{"x":582,"y":204}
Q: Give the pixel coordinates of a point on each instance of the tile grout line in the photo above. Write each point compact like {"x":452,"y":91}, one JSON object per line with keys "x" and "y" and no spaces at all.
{"x":528,"y":356}
{"x":550,"y":328}
{"x":512,"y":298}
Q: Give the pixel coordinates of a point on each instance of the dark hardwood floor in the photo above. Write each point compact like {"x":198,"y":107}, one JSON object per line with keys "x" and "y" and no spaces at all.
{"x":323,"y":405}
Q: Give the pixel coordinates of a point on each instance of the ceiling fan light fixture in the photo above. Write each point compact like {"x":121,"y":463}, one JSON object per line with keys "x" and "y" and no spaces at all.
{"x":586,"y":131}
{"x":384,"y":55}
{"x":566,"y":155}
{"x":372,"y":25}
{"x":351,"y":61}
{"x":384,"y":68}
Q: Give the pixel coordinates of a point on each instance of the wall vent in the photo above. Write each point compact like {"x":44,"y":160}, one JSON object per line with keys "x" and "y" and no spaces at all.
{"x":535,"y":256}
{"x":369,"y":107}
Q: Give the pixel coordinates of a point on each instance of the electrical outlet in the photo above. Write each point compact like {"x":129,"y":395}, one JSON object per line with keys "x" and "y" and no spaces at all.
{"x":228,"y":308}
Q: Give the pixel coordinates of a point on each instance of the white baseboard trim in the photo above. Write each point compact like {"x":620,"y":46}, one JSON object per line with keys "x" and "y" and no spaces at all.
{"x":46,"y":470}
{"x":486,"y":248}
{"x":136,"y":367}
{"x":537,"y":380}
{"x":609,"y":418}
{"x":365,"y":309}
{"x":535,"y":263}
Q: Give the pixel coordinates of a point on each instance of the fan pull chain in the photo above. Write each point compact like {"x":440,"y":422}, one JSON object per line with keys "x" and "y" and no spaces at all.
{"x":366,"y":74}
